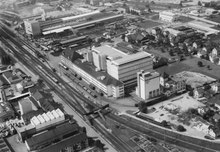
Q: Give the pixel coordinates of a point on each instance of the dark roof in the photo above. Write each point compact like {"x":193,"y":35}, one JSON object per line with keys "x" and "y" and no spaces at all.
{"x":67,"y":142}
{"x":71,"y":54}
{"x":90,"y":69}
{"x":27,"y":117}
{"x":46,"y":105}
{"x":34,"y":102}
{"x":51,"y":135}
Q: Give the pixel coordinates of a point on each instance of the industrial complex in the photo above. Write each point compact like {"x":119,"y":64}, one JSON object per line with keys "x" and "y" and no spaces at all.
{"x":59,"y":25}
{"x":110,"y":76}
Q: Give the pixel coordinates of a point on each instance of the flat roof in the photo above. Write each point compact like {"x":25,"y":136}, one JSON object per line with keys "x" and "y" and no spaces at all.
{"x":91,"y":70}
{"x":117,"y":56}
{"x":150,"y":75}
{"x":111,"y":52}
{"x":79,"y":16}
{"x":58,"y":30}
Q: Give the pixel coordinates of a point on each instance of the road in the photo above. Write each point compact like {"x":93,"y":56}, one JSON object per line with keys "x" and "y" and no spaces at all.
{"x":63,"y":90}
{"x":145,"y":128}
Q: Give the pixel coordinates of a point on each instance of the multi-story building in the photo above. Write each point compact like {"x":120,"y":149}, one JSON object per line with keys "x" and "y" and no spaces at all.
{"x":121,"y":64}
{"x":93,"y":75}
{"x":168,"y":16}
{"x":148,"y":84}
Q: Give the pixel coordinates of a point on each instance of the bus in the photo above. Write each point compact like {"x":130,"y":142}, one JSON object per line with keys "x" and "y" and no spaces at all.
{"x":63,"y":66}
{"x":55,"y":80}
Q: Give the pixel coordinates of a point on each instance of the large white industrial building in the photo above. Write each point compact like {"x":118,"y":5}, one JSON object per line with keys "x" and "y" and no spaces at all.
{"x":109,"y":68}
{"x":121,"y":65}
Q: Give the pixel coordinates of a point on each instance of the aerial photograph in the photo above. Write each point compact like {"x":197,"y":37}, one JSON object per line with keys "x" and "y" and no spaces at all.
{"x":109,"y":75}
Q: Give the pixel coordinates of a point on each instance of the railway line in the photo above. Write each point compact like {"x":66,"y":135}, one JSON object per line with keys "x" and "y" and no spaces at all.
{"x":132,"y":123}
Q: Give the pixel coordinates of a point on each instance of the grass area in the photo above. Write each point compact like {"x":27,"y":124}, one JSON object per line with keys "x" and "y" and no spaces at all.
{"x":192,"y":65}
{"x":172,"y":69}
{"x":149,"y":24}
{"x":215,"y":18}
{"x":184,"y":19}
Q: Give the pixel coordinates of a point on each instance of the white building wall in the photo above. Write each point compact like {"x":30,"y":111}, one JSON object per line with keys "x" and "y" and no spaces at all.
{"x":128,"y":71}
{"x":96,"y":60}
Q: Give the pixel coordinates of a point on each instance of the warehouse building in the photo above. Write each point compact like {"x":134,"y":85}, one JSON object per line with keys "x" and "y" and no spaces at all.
{"x":58,"y":25}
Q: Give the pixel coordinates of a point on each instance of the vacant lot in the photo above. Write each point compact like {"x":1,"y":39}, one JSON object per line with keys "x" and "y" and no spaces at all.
{"x":192,"y":65}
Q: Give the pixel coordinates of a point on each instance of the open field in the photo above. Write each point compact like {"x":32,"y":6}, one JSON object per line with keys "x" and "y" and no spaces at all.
{"x":148,"y":24}
{"x":194,"y":79}
{"x":192,"y":65}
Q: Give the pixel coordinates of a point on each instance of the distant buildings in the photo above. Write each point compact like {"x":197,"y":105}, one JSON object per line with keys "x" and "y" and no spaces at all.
{"x":168,"y":16}
{"x":148,"y":84}
{"x":59,"y":25}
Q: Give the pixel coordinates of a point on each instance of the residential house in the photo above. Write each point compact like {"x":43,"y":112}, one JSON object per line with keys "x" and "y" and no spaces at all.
{"x":198,"y":92}
{"x":195,"y":45}
{"x":215,"y":87}
{"x":214,"y":56}
{"x":201,"y":52}
{"x":216,"y":117}
{"x":174,"y":85}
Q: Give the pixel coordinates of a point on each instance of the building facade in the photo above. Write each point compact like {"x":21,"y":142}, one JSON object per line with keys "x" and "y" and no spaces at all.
{"x":121,"y":65}
{"x":92,"y":75}
{"x":32,"y":27}
{"x":168,"y":16}
{"x":148,"y":84}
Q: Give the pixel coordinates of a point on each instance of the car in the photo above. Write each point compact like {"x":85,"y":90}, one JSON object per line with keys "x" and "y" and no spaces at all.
{"x":172,"y":60}
{"x":209,"y":137}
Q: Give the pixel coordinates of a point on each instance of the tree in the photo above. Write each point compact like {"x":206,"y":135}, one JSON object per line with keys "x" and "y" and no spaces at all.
{"x":5,"y":59}
{"x":142,"y":107}
{"x":40,"y":81}
{"x":200,"y":64}
{"x":199,"y":3}
{"x":181,"y":4}
{"x":99,"y":144}
{"x":180,"y":128}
